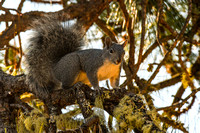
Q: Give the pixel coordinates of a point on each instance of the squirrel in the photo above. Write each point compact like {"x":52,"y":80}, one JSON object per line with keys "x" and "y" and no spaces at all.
{"x":55,"y":59}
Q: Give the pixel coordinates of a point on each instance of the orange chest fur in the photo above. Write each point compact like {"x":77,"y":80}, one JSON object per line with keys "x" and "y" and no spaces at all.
{"x":106,"y":71}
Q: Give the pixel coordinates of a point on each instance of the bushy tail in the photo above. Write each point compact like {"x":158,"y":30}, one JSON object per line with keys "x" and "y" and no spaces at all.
{"x":49,"y":43}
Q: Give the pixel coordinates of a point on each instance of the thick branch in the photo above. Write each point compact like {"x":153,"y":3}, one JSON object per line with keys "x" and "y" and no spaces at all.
{"x":68,"y":96}
{"x":166,"y":83}
{"x":80,"y":11}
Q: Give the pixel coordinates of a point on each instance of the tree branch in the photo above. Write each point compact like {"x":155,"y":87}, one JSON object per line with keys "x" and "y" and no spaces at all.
{"x":47,"y":2}
{"x":107,"y":31}
{"x":154,"y":45}
{"x":175,"y":34}
{"x":179,"y":94}
{"x":180,"y":48}
{"x":172,"y":123}
{"x":20,"y":5}
{"x":172,"y":47}
{"x":144,"y":6}
{"x":129,"y":74}
{"x":130,"y":28}
{"x":1,"y":3}
{"x":176,"y":105}
{"x":69,"y":96}
{"x":79,"y":11}
{"x":166,"y":83}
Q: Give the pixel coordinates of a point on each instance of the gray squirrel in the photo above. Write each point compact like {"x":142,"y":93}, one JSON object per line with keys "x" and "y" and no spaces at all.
{"x":55,"y":60}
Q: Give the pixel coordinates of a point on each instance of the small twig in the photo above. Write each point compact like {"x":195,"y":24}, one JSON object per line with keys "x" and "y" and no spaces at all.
{"x":20,"y":51}
{"x":154,"y":45}
{"x":189,"y":106}
{"x":12,"y":9}
{"x":1,"y":3}
{"x":107,"y":30}
{"x":158,"y":18}
{"x":159,"y":15}
{"x":184,"y":67}
{"x":175,"y":105}
{"x":14,"y":48}
{"x":130,"y":29}
{"x":20,"y":5}
{"x":128,"y":75}
{"x":107,"y":84}
{"x":144,"y":5}
{"x":145,"y":55}
{"x":20,"y":106}
{"x":166,"y":83}
{"x":6,"y":57}
{"x":4,"y":35}
{"x":179,"y":94}
{"x":6,"y":48}
{"x":180,"y":47}
{"x":172,"y":123}
{"x":172,"y":47}
{"x":174,"y":33}
{"x":47,"y":2}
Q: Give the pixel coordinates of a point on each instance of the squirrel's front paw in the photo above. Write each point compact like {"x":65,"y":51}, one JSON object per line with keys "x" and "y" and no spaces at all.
{"x":98,"y":91}
{"x":78,"y":85}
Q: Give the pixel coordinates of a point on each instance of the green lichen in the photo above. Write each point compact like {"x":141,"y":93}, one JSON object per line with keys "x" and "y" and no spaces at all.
{"x":64,"y":122}
{"x":147,"y":128}
{"x":36,"y":122}
{"x":129,"y":116}
{"x":33,"y":123}
{"x":99,"y":110}
{"x":29,"y":123}
{"x":20,"y":124}
{"x":154,"y":118}
{"x":99,"y":102}
{"x":40,"y":124}
{"x":67,"y":120}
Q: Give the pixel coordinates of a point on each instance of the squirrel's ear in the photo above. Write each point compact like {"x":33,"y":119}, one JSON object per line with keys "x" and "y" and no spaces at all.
{"x":108,"y":42}
{"x":124,"y":43}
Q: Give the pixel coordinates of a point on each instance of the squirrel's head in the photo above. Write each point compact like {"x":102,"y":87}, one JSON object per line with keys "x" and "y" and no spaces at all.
{"x":114,"y":52}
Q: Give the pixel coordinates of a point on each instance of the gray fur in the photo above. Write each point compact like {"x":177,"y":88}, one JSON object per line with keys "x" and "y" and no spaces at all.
{"x":88,"y":61}
{"x":54,"y":58}
{"x":50,"y":42}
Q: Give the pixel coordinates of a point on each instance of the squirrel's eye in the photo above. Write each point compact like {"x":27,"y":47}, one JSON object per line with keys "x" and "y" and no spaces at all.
{"x":111,"y":51}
